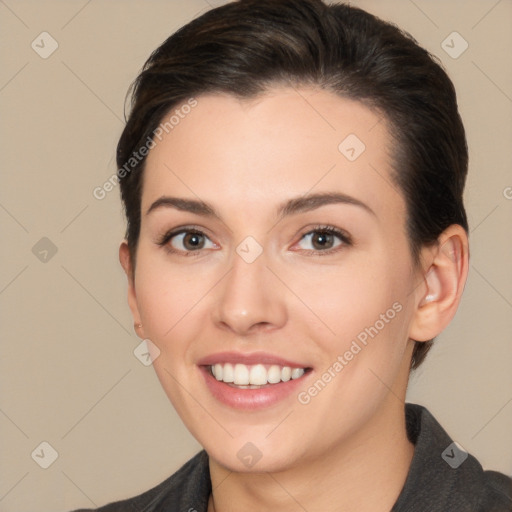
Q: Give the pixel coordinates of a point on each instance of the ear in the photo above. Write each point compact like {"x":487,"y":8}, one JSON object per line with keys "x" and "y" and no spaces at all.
{"x":444,"y":273}
{"x":126,"y":262}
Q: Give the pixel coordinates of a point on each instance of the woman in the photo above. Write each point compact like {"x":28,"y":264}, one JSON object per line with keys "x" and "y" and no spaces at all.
{"x":292,"y":176}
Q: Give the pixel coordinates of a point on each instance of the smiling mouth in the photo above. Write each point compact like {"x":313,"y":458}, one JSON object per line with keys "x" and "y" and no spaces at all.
{"x":255,"y":376}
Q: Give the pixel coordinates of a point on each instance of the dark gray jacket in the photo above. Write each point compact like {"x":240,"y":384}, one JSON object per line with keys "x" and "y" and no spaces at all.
{"x":442,"y":478}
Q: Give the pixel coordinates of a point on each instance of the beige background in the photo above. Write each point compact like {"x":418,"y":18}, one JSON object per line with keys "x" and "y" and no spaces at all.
{"x":68,"y":373}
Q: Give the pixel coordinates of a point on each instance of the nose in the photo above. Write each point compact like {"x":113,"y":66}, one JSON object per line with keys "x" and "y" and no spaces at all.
{"x":249,"y":299}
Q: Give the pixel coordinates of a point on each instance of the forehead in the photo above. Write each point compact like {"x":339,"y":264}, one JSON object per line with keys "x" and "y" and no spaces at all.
{"x":284,"y":143}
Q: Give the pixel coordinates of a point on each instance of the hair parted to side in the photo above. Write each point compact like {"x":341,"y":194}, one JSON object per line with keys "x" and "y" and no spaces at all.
{"x":245,"y":47}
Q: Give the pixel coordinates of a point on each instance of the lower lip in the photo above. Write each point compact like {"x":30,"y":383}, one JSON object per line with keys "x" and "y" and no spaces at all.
{"x":250,"y":399}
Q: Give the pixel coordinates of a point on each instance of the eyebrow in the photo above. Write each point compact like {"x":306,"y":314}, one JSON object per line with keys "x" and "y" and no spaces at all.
{"x":313,"y":201}
{"x":185,"y":205}
{"x":290,"y":207}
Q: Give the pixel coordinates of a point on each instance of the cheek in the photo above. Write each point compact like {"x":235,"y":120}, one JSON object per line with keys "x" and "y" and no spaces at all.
{"x":169,"y":301}
{"x":355,"y":295}
{"x":167,"y":296}
{"x":366,"y":305}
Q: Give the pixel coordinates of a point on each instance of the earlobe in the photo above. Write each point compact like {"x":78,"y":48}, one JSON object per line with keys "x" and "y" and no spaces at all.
{"x":444,"y":281}
{"x":126,"y":263}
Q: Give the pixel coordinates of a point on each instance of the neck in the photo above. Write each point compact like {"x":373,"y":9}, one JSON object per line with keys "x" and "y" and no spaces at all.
{"x":365,"y":474}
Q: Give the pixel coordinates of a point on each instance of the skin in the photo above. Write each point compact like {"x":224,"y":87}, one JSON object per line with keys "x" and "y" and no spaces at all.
{"x":347,"y":448}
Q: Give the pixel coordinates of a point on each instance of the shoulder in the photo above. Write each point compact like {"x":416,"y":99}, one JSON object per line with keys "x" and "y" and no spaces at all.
{"x":186,"y":490}
{"x":443,"y":476}
{"x":496,"y":492}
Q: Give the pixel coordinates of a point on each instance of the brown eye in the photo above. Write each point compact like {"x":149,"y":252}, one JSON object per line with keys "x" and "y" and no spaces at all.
{"x":193,"y":241}
{"x":189,"y":241}
{"x":323,"y":240}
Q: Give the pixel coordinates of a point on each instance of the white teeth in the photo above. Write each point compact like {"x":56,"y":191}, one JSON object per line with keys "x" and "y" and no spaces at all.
{"x":218,"y":371}
{"x":228,"y":373}
{"x":241,"y":375}
{"x":297,"y":373}
{"x":258,"y":375}
{"x":255,"y":375}
{"x":274,"y":374}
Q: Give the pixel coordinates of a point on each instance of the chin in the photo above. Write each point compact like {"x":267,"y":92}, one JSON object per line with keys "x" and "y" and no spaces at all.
{"x":247,"y":457}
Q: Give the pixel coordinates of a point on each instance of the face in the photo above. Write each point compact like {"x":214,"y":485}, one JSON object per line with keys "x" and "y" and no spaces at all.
{"x":274,"y":276}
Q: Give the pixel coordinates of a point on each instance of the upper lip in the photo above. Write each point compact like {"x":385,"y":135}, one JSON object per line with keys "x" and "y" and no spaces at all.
{"x":248,"y":359}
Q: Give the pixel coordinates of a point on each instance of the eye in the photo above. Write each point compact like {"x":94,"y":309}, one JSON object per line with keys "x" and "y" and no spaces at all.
{"x":323,"y":239}
{"x":186,"y":240}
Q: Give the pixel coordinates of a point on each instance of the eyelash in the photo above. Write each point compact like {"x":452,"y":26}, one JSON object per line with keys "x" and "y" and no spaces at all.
{"x":343,"y":236}
{"x":167,"y":237}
